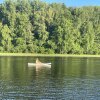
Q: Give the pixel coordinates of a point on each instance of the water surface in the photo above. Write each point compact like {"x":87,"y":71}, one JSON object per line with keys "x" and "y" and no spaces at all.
{"x":67,"y":79}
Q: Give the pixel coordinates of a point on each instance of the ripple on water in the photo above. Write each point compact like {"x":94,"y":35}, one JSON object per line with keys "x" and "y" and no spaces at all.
{"x":51,"y":89}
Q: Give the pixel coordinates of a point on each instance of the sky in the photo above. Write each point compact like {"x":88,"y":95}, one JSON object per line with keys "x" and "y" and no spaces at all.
{"x":1,"y":1}
{"x":73,"y":3}
{"x":77,"y":3}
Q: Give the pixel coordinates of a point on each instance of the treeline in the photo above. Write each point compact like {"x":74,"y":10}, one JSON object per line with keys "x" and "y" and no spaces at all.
{"x":38,"y":27}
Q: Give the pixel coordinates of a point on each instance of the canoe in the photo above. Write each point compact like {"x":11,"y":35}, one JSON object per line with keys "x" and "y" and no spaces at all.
{"x":42,"y":64}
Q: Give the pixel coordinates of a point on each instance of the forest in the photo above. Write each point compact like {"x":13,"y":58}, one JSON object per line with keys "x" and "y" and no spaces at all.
{"x":34,"y":26}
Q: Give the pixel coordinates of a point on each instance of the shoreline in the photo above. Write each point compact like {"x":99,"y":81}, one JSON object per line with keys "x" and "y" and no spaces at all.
{"x":47,"y":55}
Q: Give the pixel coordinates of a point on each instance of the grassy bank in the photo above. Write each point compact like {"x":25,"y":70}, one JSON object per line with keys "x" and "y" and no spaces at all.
{"x":51,"y":55}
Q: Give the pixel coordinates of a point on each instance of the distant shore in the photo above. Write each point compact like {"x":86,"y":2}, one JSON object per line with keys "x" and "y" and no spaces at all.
{"x":48,"y":55}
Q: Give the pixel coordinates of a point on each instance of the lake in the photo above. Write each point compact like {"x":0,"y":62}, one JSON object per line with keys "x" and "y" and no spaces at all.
{"x":69,"y":78}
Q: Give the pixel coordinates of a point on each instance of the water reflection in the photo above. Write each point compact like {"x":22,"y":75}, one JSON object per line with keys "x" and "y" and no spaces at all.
{"x":76,"y":67}
{"x":67,"y":79}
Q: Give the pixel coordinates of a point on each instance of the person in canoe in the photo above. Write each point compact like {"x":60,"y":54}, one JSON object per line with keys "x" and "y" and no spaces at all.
{"x":38,"y":61}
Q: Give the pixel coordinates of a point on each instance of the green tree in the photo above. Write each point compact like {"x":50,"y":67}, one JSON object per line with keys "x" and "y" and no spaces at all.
{"x":5,"y":38}
{"x":88,"y":37}
{"x":23,"y":34}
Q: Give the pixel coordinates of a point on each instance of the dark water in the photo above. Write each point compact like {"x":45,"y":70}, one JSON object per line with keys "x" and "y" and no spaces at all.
{"x":67,"y":79}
